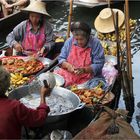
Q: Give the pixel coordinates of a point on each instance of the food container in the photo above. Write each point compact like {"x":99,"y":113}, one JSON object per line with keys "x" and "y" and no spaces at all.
{"x":65,"y":93}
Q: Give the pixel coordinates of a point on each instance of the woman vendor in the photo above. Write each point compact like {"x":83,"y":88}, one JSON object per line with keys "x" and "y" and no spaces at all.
{"x":35,"y":35}
{"x":14,"y":114}
{"x":82,"y":56}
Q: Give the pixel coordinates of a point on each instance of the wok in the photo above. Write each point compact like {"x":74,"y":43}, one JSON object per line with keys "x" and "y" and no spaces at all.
{"x":65,"y":93}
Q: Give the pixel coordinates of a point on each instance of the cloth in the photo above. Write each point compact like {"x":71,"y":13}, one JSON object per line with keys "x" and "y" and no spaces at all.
{"x":14,"y":115}
{"x":96,"y":54}
{"x":98,"y":130}
{"x":19,"y":32}
{"x":95,"y":82}
{"x":33,"y":41}
{"x":79,"y":57}
{"x":110,"y":73}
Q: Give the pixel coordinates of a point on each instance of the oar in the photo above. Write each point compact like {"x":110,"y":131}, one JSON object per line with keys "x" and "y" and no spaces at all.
{"x":69,"y":18}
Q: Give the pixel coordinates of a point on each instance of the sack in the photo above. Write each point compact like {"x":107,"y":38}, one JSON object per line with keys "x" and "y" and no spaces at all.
{"x":99,"y":129}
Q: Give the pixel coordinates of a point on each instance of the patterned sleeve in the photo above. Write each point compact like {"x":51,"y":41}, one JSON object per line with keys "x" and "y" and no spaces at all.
{"x":98,"y":58}
{"x":49,"y":37}
{"x":65,"y":51}
{"x":17,"y":34}
{"x":30,"y":117}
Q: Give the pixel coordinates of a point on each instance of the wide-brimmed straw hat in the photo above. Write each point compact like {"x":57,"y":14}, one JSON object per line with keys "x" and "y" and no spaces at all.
{"x":104,"y":21}
{"x":37,"y":7}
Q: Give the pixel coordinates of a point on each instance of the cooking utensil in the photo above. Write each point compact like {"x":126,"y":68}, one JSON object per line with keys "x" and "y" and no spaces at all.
{"x":65,"y":93}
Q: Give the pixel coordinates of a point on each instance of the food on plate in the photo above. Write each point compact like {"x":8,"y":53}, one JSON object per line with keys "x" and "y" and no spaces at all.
{"x":18,"y":65}
{"x":92,"y":96}
{"x":88,"y":95}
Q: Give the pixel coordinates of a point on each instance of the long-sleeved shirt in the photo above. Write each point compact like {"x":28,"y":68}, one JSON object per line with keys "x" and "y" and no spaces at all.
{"x":14,"y":115}
{"x":97,"y":53}
{"x":19,"y":32}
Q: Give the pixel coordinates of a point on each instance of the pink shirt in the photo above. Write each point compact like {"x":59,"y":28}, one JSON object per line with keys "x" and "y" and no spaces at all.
{"x":14,"y":115}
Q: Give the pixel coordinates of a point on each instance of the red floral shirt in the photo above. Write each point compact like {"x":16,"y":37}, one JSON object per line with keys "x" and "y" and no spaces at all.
{"x":14,"y":115}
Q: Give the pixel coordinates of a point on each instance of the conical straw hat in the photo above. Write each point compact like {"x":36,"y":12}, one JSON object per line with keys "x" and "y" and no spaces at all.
{"x":104,"y":21}
{"x":37,"y":7}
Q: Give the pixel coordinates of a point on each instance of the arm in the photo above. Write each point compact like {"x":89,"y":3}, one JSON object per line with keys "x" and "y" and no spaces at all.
{"x":98,"y":58}
{"x":30,"y":117}
{"x":3,"y":2}
{"x":19,"y":3}
{"x":64,"y":54}
{"x":16,"y":36}
{"x":49,"y":37}
{"x":65,"y":51}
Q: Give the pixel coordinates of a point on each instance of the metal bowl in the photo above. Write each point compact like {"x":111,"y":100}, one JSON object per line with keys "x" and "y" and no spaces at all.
{"x":59,"y":80}
{"x":65,"y":93}
{"x":111,"y":58}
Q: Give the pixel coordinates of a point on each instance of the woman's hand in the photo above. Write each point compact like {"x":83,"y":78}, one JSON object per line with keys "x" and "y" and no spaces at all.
{"x":45,"y":91}
{"x":18,"y":47}
{"x":79,"y":71}
{"x":8,"y":6}
{"x":41,"y":52}
{"x":68,"y":66}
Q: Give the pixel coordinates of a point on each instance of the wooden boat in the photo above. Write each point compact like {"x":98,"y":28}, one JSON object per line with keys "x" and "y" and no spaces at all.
{"x":7,"y":25}
{"x":92,"y":3}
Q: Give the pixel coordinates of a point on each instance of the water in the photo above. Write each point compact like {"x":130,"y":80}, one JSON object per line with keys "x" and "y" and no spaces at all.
{"x":59,"y":12}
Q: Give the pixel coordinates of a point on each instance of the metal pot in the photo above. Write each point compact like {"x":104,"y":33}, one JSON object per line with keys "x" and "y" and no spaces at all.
{"x":65,"y":93}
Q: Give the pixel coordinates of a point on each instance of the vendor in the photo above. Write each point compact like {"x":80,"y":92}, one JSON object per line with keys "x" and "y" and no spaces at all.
{"x":14,"y":115}
{"x":82,"y":56}
{"x":35,"y":35}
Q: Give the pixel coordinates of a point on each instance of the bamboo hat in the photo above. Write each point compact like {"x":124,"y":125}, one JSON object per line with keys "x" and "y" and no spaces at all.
{"x":37,"y":7}
{"x":104,"y":21}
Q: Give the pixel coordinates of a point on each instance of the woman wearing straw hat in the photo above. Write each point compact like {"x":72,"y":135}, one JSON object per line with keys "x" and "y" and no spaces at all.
{"x":82,"y":56}
{"x":14,"y":115}
{"x":35,"y":35}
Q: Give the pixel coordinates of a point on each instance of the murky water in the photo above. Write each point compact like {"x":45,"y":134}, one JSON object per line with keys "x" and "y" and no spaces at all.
{"x":59,"y":12}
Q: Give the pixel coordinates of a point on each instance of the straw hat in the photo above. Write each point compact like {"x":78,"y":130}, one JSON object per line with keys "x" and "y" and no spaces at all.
{"x":37,"y":7}
{"x":104,"y":21}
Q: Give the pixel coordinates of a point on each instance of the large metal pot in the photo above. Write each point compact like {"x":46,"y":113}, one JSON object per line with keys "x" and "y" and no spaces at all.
{"x":65,"y":93}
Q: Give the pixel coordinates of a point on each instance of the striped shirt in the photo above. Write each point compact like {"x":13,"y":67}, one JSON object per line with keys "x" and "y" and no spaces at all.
{"x":18,"y":34}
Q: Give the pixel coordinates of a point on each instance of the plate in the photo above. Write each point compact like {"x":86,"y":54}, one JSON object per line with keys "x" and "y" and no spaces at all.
{"x":24,"y":65}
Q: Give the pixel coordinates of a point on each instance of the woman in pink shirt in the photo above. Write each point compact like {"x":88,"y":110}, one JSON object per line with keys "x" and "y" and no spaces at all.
{"x":34,"y":35}
{"x":14,"y":115}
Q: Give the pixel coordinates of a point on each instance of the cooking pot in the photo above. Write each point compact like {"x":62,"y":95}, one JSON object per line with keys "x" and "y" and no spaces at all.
{"x":65,"y":93}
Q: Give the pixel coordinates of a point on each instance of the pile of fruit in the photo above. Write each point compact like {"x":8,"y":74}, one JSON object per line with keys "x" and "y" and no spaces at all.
{"x":17,"y":80}
{"x":108,"y":40}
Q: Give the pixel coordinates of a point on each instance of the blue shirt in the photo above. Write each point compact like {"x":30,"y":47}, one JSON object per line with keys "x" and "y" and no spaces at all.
{"x":97,"y":53}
